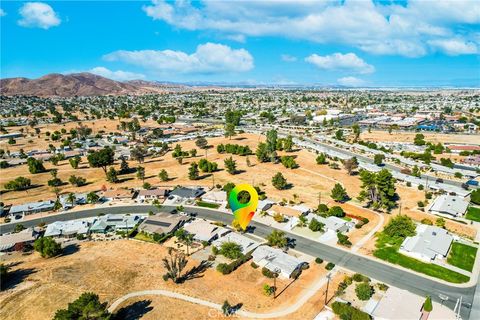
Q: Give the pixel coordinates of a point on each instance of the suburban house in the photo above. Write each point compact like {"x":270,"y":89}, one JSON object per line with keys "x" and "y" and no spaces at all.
{"x":204,"y":230}
{"x":284,"y":211}
{"x":17,"y":241}
{"x":247,"y":244}
{"x":162,"y":223}
{"x":80,"y":198}
{"x":428,"y":244}
{"x":67,"y":229}
{"x":277,"y":261}
{"x":449,"y":205}
{"x":187,"y":193}
{"x":152,"y":194}
{"x":332,"y":223}
{"x":215,"y":196}
{"x":115,"y":222}
{"x":118,"y":194}
{"x":32,"y":207}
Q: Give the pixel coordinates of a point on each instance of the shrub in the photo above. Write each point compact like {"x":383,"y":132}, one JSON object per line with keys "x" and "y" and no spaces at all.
{"x":343,"y":240}
{"x":364,"y":291}
{"x":224,"y":268}
{"x":211,"y":257}
{"x":254,"y":265}
{"x":319,"y":260}
{"x":357,"y":277}
{"x":346,"y":311}
{"x":267,"y":273}
{"x":427,"y":222}
{"x":330,"y":266}
{"x":383,"y":286}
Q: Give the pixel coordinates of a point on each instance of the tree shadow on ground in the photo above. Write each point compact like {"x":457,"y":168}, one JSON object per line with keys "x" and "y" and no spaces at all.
{"x":196,"y":272}
{"x":70,"y":249}
{"x":134,"y":311}
{"x":16,"y":277}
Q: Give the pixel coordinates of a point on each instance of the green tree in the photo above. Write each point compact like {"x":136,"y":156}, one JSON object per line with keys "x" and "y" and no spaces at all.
{"x":288,"y":144}
{"x":378,"y":159}
{"x":87,"y":306}
{"x":112,"y":175}
{"x":230,"y":165}
{"x":321,"y":159}
{"x":229,"y":130}
{"x":427,"y":305}
{"x":92,"y":197}
{"x":231,"y":250}
{"x":75,"y":161}
{"x":193,"y":173}
{"x":262,"y":152}
{"x":20,"y":183}
{"x":336,"y":211}
{"x":101,"y":159}
{"x":277,"y":239}
{"x":141,"y":173}
{"x":289,"y":162}
{"x":475,"y":196}
{"x":316,"y":225}
{"x":400,"y":226}
{"x":339,"y":193}
{"x":35,"y":166}
{"x":356,"y":132}
{"x":202,"y":143}
{"x":77,"y":181}
{"x":47,"y":247}
{"x":419,"y":139}
{"x":339,"y":134}
{"x":124,"y":168}
{"x":279,"y":181}
{"x":19,"y":227}
{"x":416,"y":171}
{"x":71,"y":198}
{"x":364,"y":291}
{"x":163,"y":175}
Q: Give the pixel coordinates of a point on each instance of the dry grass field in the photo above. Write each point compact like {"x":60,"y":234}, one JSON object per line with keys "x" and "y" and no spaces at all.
{"x":115,"y":268}
{"x":309,"y":180}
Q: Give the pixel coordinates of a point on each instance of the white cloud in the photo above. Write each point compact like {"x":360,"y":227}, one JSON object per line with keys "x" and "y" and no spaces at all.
{"x":379,"y":28}
{"x":208,"y":58}
{"x":350,"y":82}
{"x":118,"y":75}
{"x":339,"y":61}
{"x":2,"y":13}
{"x":288,"y":58}
{"x":38,"y":15}
{"x":455,"y":47}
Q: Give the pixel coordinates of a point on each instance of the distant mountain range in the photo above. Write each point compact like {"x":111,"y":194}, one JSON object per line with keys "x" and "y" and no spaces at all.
{"x":79,"y":84}
{"x":88,"y":84}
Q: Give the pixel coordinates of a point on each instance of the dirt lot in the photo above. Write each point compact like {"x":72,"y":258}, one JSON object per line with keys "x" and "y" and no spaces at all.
{"x":383,"y":136}
{"x":114,"y":268}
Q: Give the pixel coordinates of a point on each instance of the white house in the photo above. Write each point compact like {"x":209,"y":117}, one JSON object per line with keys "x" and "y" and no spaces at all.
{"x":152,"y":194}
{"x":204,"y":230}
{"x":428,"y":244}
{"x":277,"y":261}
{"x":449,"y":205}
{"x":215,"y":196}
{"x":333,"y":224}
{"x":67,"y":228}
{"x":247,"y":244}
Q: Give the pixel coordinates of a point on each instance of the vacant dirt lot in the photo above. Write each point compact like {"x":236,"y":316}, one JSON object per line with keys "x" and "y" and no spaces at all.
{"x":384,"y":136}
{"x":112,"y":269}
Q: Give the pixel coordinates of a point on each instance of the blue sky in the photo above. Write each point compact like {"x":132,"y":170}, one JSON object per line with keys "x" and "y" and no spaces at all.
{"x":353,"y":43}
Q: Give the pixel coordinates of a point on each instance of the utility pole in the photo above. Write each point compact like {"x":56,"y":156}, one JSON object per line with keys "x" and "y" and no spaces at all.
{"x":275,"y":275}
{"x":319,"y":198}
{"x":326,"y":292}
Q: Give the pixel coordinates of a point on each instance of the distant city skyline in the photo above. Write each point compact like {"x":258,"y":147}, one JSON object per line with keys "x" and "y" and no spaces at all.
{"x":334,"y":43}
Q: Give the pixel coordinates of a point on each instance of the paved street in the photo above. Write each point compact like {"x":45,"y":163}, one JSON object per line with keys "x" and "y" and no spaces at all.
{"x":370,"y":267}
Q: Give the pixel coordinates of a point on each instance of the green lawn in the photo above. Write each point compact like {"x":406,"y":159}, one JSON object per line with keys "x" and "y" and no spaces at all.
{"x":462,"y":256}
{"x":143,"y":237}
{"x":473,"y":213}
{"x":387,"y":249}
{"x":208,"y":205}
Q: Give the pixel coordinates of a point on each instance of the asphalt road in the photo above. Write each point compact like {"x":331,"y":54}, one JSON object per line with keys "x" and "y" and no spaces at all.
{"x":372,"y":268}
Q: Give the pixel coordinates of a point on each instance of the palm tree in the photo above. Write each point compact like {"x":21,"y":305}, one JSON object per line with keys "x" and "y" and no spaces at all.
{"x":92,"y":197}
{"x":71,"y":198}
